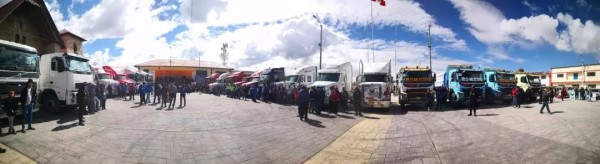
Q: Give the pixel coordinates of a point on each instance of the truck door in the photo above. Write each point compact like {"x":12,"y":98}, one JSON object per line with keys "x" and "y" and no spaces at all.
{"x":57,"y":80}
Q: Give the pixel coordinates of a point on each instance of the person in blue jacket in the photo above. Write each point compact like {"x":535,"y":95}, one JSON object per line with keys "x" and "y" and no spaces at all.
{"x":253,"y":92}
{"x":142,"y":91}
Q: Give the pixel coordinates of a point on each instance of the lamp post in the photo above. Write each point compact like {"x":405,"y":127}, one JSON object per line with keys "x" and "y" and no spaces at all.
{"x":320,"y":42}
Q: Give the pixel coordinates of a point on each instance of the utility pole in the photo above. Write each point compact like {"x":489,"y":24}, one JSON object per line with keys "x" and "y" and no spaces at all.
{"x":429,"y":34}
{"x":395,"y":48}
{"x":583,"y":70}
{"x":372,"y":42}
{"x":320,"y":43}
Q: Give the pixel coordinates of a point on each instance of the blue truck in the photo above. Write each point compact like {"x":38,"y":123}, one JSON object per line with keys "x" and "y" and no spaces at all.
{"x":458,"y":80}
{"x":498,"y":85}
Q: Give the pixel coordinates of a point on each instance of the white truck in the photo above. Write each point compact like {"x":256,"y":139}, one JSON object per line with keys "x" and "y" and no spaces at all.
{"x":375,"y":83}
{"x":61,"y":74}
{"x":305,"y":76}
{"x":337,"y":75}
{"x":18,"y":63}
{"x":219,"y":83}
{"x":101,"y":77}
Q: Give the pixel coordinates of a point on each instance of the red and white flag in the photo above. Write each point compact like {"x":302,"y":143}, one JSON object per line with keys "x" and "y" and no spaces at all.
{"x":381,"y":2}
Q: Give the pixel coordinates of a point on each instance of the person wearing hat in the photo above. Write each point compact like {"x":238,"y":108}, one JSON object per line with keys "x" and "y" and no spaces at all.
{"x":303,"y":100}
{"x":11,"y":105}
{"x":28,"y":98}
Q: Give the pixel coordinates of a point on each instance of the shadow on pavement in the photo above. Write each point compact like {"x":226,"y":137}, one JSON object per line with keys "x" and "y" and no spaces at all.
{"x":315,"y":123}
{"x":64,"y":127}
{"x":557,"y":112}
{"x":527,"y":106}
{"x":322,"y":115}
{"x":487,"y":115}
{"x":367,"y":117}
{"x":137,"y":106}
{"x":346,"y":117}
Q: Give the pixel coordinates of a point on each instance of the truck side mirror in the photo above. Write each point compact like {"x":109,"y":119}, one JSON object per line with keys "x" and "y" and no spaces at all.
{"x":60,"y":65}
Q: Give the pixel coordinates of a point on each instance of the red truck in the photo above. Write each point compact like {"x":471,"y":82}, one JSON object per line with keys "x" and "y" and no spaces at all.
{"x":121,"y":78}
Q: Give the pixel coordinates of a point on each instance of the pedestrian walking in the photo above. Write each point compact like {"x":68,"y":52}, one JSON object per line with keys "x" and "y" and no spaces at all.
{"x":545,"y":99}
{"x":357,"y":99}
{"x":334,"y":99}
{"x":28,"y":98}
{"x":81,"y":103}
{"x":182,"y":93}
{"x":473,"y":95}
{"x":157,"y":92}
{"x":11,"y":105}
{"x":303,"y":100}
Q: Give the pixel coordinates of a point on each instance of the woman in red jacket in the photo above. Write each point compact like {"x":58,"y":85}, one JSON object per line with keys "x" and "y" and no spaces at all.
{"x":334,"y":97}
{"x":514,"y":95}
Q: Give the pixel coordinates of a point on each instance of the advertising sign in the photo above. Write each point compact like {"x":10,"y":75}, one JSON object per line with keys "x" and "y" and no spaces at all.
{"x":417,"y":79}
{"x":371,"y":93}
{"x":471,"y":79}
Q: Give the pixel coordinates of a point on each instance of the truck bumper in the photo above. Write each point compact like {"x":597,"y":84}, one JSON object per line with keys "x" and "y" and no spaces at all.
{"x":376,"y":104}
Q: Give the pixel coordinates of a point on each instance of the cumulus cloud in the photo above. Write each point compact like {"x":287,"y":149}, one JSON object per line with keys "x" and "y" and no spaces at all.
{"x":579,"y":37}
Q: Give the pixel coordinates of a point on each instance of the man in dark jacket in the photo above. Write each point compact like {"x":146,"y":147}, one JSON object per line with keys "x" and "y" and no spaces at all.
{"x":182,"y":93}
{"x":28,"y":98}
{"x":320,"y":100}
{"x":157,"y":92}
{"x":101,"y":96}
{"x":142,"y":92}
{"x":576,"y":93}
{"x":164,"y":95}
{"x":313,"y":99}
{"x":81,"y":103}
{"x":545,"y":99}
{"x":344,"y":100}
{"x":303,"y":100}
{"x":473,"y":95}
{"x":357,"y":99}
{"x":581,"y":93}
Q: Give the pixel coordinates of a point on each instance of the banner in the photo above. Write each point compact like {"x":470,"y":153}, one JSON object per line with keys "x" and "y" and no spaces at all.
{"x":417,"y":79}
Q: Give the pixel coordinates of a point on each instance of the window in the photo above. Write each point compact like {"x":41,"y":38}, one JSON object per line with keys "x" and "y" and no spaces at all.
{"x":543,"y":76}
{"x":53,"y":65}
{"x":590,"y":74}
{"x":75,"y":47}
{"x":524,"y":79}
{"x":592,"y":85}
{"x":575,"y":76}
{"x":17,"y":38}
{"x":309,"y":79}
{"x":560,"y":75}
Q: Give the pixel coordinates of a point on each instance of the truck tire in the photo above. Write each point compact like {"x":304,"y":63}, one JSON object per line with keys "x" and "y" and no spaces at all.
{"x":49,"y":103}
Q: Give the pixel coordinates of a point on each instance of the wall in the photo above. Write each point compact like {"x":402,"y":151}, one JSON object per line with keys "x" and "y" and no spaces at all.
{"x":69,"y":40}
{"x":182,"y":70}
{"x":568,"y":79}
{"x":31,"y":30}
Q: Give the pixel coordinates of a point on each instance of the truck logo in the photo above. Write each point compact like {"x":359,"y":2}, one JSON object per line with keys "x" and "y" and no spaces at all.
{"x":418,"y":79}
{"x":471,"y":79}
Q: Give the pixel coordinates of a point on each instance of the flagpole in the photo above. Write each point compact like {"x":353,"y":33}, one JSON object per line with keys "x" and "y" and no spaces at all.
{"x":372,"y":41}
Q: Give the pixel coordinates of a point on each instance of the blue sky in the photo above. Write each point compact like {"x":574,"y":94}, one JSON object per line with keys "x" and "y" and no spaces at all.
{"x":267,"y":33}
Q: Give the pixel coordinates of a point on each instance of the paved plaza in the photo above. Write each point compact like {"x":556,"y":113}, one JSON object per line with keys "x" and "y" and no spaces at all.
{"x":215,"y":129}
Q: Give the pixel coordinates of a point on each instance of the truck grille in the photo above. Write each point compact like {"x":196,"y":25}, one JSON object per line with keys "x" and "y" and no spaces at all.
{"x":416,"y":93}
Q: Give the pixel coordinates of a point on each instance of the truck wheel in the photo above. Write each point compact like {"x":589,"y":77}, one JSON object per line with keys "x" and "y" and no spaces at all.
{"x":49,"y":103}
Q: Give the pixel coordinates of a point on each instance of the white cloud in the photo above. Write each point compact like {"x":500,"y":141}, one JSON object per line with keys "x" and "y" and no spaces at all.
{"x":583,"y":38}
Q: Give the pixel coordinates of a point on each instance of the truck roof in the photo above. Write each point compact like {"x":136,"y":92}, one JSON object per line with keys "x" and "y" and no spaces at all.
{"x":460,"y":66}
{"x":496,"y":70}
{"x":415,"y":68}
{"x":18,"y":46}
{"x":377,"y":68}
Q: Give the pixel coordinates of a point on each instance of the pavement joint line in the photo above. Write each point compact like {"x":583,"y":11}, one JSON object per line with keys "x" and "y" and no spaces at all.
{"x":437,"y":153}
{"x":8,"y":148}
{"x":331,"y":142}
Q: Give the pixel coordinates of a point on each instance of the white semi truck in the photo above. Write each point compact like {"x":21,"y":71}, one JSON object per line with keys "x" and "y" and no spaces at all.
{"x":305,"y":76}
{"x":18,"y":63}
{"x":61,"y":74}
{"x":337,"y":75}
{"x":375,"y":83}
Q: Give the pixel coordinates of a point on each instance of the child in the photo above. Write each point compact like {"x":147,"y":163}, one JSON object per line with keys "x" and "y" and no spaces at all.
{"x":11,"y":105}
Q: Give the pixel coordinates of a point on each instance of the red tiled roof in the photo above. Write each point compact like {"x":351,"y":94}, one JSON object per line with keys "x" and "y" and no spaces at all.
{"x":181,"y":63}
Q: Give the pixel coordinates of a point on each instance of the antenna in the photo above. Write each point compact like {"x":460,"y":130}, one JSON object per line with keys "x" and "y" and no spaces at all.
{"x":430,"y":66}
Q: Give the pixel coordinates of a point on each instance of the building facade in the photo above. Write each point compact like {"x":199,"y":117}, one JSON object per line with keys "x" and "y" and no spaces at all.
{"x":73,"y":43}
{"x":574,"y":76}
{"x":182,"y":68}
{"x":29,"y":22}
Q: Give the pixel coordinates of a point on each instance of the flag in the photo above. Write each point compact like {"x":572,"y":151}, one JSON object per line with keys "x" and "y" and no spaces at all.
{"x":381,"y":2}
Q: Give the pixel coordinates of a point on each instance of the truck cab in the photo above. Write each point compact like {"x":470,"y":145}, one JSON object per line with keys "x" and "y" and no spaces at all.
{"x":101,"y":77}
{"x":458,"y":80}
{"x":413,"y":83}
{"x":272,"y":75}
{"x":61,"y":74}
{"x":375,"y":83}
{"x":18,"y":64}
{"x":498,"y":85}
{"x":530,"y":84}
{"x":304,"y":76}
{"x":338,"y":75}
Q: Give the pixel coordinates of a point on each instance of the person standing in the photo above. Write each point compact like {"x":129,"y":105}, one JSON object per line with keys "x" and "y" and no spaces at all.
{"x":81,"y":103}
{"x":429,"y":95}
{"x":581,"y":93}
{"x":576,"y":93}
{"x":320,"y":100}
{"x":157,"y":92}
{"x":148,"y":89}
{"x":11,"y":105}
{"x":439,"y":95}
{"x":551,"y":94}
{"x":164,"y":95}
{"x":514,"y":96}
{"x":334,"y":98}
{"x":563,"y":93}
{"x":344,"y":100}
{"x":356,"y":99}
{"x":303,"y":100}
{"x":545,"y":102}
{"x":102,"y":96}
{"x":254,"y":92}
{"x":473,"y":95}
{"x":520,"y":96}
{"x":28,"y":98}
{"x":182,"y":93}
{"x":172,"y":95}
{"x":312,"y":96}
{"x":142,"y":92}
{"x":109,"y":91}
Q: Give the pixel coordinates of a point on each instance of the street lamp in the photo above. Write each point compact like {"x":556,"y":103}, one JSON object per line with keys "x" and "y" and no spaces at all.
{"x":320,"y":42}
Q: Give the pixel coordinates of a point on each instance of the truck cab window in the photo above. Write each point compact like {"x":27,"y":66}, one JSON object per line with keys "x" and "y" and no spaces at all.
{"x":523,"y":79}
{"x":53,"y":65}
{"x":492,"y":78}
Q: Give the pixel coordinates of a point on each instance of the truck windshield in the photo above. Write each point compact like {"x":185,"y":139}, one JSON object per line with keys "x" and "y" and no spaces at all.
{"x":375,"y":78}
{"x":472,"y":76}
{"x":328,"y":77}
{"x":533,"y":79}
{"x":292,"y":79}
{"x":104,"y":76}
{"x":417,"y":76}
{"x":121,"y":77}
{"x":17,"y":62}
{"x":78,"y":65}
{"x":506,"y":78}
